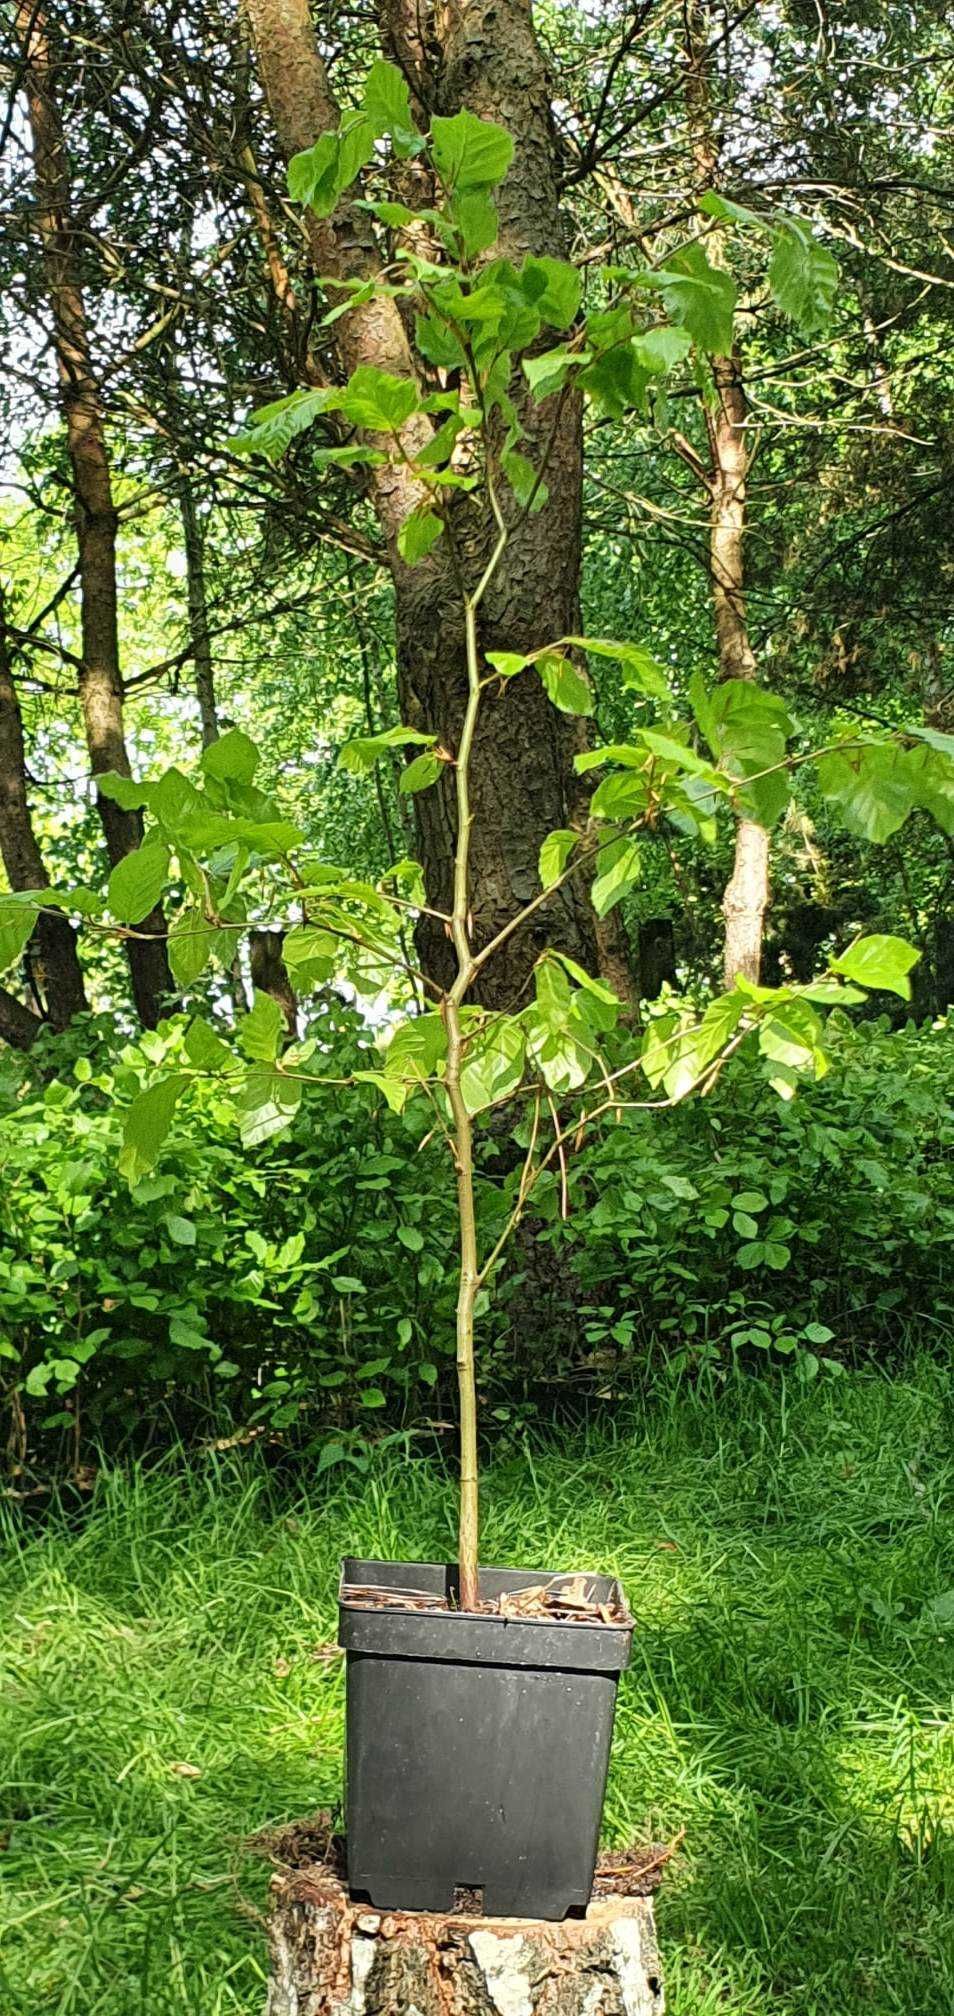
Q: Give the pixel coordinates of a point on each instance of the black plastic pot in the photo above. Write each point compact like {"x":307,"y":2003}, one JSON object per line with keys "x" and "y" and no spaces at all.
{"x":477,"y":1746}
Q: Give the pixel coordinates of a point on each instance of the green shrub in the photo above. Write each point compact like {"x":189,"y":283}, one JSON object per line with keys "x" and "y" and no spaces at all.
{"x":307,"y":1286}
{"x":821,"y":1227}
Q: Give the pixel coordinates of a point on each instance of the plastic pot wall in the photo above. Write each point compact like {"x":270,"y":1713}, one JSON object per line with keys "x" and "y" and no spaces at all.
{"x":477,"y":1746}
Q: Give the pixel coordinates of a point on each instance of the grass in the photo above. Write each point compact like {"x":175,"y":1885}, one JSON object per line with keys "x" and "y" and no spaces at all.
{"x":788,"y":1702}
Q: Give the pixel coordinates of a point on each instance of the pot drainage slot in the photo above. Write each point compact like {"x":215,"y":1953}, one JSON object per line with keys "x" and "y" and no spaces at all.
{"x":469,"y":1898}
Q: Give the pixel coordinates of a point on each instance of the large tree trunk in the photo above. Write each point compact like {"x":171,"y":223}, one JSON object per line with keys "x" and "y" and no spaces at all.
{"x":522,"y":781}
{"x":56,"y":968}
{"x":746,"y":896}
{"x":100,"y":682}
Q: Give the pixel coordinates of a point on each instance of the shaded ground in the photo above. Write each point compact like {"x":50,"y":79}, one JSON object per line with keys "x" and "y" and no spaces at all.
{"x":168,"y":1688}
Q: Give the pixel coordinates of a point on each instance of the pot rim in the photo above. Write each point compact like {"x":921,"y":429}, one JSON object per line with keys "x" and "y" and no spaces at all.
{"x":515,"y":1578}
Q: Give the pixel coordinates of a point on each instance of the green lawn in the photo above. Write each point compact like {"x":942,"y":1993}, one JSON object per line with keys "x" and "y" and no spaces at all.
{"x":789,"y":1556}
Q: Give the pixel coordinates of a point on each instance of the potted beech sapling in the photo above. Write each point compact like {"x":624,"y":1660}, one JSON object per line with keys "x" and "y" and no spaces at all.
{"x":481,"y":1700}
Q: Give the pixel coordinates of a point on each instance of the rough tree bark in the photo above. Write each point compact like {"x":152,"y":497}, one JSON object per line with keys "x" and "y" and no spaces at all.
{"x":746,"y":896}
{"x":18,"y":1025}
{"x":56,"y":969}
{"x":333,"y":1957}
{"x":100,"y":681}
{"x":484,"y":55}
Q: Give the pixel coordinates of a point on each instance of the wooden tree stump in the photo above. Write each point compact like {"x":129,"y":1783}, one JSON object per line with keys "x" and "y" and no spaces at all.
{"x":334,"y":1956}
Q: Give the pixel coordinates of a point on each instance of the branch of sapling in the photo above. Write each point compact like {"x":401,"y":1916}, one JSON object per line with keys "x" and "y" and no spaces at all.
{"x":573,"y":1135}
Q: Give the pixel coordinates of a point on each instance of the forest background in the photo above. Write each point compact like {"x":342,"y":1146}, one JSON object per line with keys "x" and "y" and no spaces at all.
{"x":780,"y":516}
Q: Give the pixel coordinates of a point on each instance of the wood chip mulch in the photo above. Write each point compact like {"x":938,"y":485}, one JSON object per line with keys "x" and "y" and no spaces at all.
{"x":312,"y":1846}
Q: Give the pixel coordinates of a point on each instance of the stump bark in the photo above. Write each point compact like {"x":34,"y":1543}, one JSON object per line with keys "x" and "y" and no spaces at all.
{"x":334,"y":1956}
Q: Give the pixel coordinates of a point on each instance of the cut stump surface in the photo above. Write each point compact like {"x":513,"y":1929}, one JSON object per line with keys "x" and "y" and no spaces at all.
{"x":332,"y":1955}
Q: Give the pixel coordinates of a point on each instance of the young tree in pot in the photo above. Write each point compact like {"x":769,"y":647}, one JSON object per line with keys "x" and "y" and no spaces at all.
{"x":480,"y":1702}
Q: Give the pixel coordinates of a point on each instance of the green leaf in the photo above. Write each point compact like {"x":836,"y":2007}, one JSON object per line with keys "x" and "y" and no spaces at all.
{"x":803,"y":277}
{"x":394,"y":1092}
{"x":764,"y":1253}
{"x":625,"y":753}
{"x":676,"y":1058}
{"x":549,"y":371}
{"x":872,"y":787}
{"x":180,"y":1230}
{"x":494,"y":1063}
{"x":879,"y":961}
{"x":353,"y":457}
{"x":555,"y":853}
{"x":146,"y":1123}
{"x":267,"y":1104}
{"x":791,"y":1039}
{"x":361,"y":754}
{"x":311,"y":173}
{"x":566,"y":685}
{"x":748,"y":729}
{"x":475,"y":217}
{"x":597,"y":1001}
{"x":129,"y":792}
{"x":930,"y":775}
{"x":137,"y":882}
{"x":640,"y":669}
{"x":722,"y":207}
{"x":507,"y":664}
{"x":438,"y":344}
{"x":554,"y":288}
{"x":192,"y":942}
{"x":175,"y":798}
{"x":233,"y":758}
{"x":386,"y":102}
{"x":16,"y":927}
{"x":411,"y":1238}
{"x":204,"y":1048}
{"x":310,"y":954}
{"x":424,"y":770}
{"x":470,"y":153}
{"x":700,"y":297}
{"x":378,"y":401}
{"x":935,"y":738}
{"x":271,"y":430}
{"x":615,"y":381}
{"x":320,"y":174}
{"x":260,"y":1031}
{"x":417,"y":1048}
{"x":671,"y":750}
{"x":419,"y":532}
{"x":658,"y":350}
{"x":524,"y":480}
{"x":621,"y":798}
{"x":620,"y":868}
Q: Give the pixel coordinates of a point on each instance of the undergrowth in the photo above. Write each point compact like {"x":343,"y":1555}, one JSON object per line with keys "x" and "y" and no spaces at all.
{"x":170,"y":1686}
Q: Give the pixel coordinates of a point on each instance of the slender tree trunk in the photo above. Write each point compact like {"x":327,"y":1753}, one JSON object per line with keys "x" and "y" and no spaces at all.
{"x":100,"y":682}
{"x":746,"y":895}
{"x":198,"y":613}
{"x":56,"y":965}
{"x":522,"y":781}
